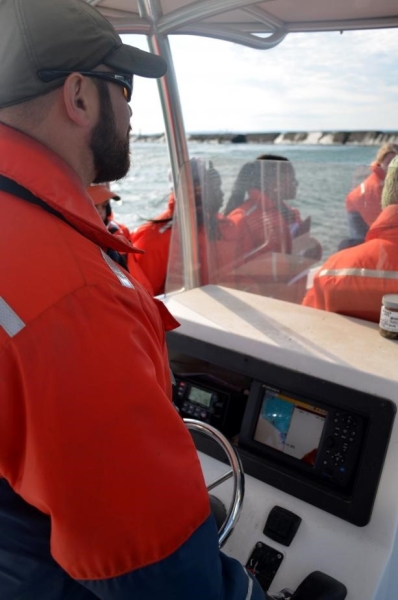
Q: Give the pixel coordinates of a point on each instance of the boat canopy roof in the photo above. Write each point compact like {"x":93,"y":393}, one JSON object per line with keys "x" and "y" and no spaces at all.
{"x":249,"y":22}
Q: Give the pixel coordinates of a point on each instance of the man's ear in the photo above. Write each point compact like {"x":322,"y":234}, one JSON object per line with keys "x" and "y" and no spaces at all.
{"x":81,"y":100}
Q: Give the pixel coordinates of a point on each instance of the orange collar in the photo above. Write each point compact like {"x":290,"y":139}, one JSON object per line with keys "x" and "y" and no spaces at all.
{"x":50,"y":178}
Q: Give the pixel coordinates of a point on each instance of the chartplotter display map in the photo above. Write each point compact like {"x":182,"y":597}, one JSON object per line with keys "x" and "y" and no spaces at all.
{"x":290,"y":426}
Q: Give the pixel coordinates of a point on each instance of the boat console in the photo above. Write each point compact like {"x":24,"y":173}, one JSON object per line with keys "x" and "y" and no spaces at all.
{"x":311,"y":416}
{"x":321,"y":442}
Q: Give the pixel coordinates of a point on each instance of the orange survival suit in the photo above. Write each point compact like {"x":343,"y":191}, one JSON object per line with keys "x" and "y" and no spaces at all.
{"x":363,"y":203}
{"x":105,"y":459}
{"x":217,"y":255}
{"x":262,"y":227}
{"x":153,"y":238}
{"x":353,"y":281}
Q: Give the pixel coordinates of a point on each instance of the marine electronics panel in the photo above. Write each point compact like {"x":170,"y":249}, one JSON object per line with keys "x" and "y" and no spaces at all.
{"x":314,"y":439}
{"x":210,"y":399}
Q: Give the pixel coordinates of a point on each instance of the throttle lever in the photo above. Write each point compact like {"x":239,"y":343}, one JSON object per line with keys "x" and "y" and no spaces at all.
{"x":319,"y":586}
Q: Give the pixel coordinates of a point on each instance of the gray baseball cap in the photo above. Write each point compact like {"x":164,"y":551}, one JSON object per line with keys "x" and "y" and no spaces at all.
{"x":65,"y":35}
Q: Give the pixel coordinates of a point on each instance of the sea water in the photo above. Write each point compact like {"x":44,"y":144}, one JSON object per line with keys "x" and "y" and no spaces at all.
{"x":325,"y":175}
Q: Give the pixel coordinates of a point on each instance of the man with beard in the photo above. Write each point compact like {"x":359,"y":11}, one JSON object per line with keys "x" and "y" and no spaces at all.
{"x":94,"y":459}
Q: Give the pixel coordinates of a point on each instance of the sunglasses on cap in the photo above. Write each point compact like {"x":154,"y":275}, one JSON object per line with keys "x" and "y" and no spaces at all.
{"x":123,"y":79}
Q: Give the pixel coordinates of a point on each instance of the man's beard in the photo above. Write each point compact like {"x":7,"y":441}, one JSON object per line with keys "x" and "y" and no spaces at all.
{"x":111,"y":152}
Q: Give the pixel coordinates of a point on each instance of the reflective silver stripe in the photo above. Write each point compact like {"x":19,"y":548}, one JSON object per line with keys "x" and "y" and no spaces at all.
{"x":251,"y":210}
{"x":362,"y":188}
{"x":249,"y":587}
{"x":117,"y":271}
{"x":9,"y":319}
{"x":359,"y":273}
{"x":165,"y":227}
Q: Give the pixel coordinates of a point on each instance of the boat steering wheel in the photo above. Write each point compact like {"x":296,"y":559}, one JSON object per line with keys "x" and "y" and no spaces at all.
{"x":236,"y":472}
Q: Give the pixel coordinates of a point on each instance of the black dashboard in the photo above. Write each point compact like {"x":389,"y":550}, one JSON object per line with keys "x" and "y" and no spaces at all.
{"x":314,"y":439}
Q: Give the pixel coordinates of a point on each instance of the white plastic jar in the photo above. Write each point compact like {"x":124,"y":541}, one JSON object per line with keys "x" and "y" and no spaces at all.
{"x":388,"y":325}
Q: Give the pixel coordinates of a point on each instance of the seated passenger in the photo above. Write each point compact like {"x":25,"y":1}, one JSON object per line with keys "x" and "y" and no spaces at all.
{"x":217,"y":236}
{"x":257,"y":205}
{"x":353,"y":281}
{"x":363,"y":203}
{"x":276,"y":243}
{"x":153,"y":238}
{"x":101,"y":195}
{"x":265,"y":220}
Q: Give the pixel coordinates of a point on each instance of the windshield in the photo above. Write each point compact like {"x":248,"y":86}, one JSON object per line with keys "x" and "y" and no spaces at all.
{"x":268,"y":225}
{"x":324,"y":101}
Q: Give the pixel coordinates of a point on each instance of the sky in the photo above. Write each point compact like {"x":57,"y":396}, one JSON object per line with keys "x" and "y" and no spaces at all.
{"x":309,"y":82}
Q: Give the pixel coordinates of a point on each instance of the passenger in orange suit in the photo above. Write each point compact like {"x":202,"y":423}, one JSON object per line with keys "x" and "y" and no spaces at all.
{"x":363,"y":203}
{"x":276,"y":245}
{"x":353,"y":281}
{"x":217,"y":235}
{"x":258,"y":206}
{"x":153,"y":238}
{"x":101,"y":196}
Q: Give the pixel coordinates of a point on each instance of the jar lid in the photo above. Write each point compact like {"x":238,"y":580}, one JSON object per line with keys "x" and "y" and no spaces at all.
{"x":390,"y":301}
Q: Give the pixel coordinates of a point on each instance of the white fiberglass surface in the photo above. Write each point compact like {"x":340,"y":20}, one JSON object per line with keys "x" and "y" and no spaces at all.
{"x":361,"y":558}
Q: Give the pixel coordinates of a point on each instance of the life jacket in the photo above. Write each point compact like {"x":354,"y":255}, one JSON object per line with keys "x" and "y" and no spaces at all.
{"x":277,"y":249}
{"x":218,"y":249}
{"x":353,"y":281}
{"x":261,"y":226}
{"x":153,"y":238}
{"x":365,"y":199}
{"x":85,"y":392}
